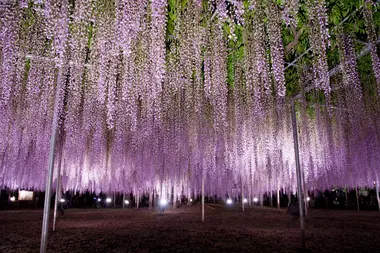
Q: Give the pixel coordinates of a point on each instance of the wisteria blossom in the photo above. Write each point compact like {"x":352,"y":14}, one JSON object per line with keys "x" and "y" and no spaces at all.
{"x":145,"y":106}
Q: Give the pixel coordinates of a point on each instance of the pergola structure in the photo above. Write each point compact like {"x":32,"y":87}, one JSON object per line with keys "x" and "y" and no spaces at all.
{"x":189,"y":96}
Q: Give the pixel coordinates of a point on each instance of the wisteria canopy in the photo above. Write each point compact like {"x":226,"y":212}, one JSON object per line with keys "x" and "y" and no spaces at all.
{"x":157,"y":94}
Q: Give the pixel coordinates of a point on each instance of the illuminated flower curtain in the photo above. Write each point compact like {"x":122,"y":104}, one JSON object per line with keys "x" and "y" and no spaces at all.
{"x":147,"y":102}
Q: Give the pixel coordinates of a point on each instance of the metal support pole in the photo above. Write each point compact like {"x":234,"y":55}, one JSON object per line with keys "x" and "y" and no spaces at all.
{"x":174,"y":197}
{"x":271,"y":198}
{"x":203,"y":198}
{"x":49,"y":175}
{"x":123,"y":199}
{"x":306,"y":195}
{"x":242,"y":196}
{"x":250,"y":196}
{"x":299,"y":178}
{"x":357,"y":199}
{"x":57,"y":194}
{"x":138,"y":199}
{"x":377,"y":193}
{"x":150,"y":199}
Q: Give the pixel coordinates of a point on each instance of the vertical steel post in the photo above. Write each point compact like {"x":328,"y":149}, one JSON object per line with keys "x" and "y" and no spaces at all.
{"x":299,"y":178}
{"x":49,"y":175}
{"x":242,"y":196}
{"x":357,"y":199}
{"x":150,"y":198}
{"x":203,"y":197}
{"x":57,"y":194}
{"x":377,"y":193}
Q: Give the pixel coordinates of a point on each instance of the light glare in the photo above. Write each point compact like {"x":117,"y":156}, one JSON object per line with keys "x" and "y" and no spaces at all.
{"x":108,"y":200}
{"x":13,"y":198}
{"x":163,"y":202}
{"x":62,"y":200}
{"x":126,"y":202}
{"x":245,"y":200}
{"x":255,"y":200}
{"x":229,"y":201}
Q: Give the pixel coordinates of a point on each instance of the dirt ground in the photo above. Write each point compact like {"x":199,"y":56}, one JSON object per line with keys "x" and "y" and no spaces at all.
{"x":257,"y":229}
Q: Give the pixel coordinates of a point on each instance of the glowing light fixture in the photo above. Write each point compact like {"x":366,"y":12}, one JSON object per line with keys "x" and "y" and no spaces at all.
{"x":308,"y":198}
{"x":229,"y":201}
{"x":126,"y":202}
{"x":108,"y":200}
{"x":245,"y":200}
{"x":191,"y":200}
{"x":13,"y":198}
{"x":163,"y":202}
{"x":99,"y":199}
{"x":62,"y":200}
{"x":255,"y":200}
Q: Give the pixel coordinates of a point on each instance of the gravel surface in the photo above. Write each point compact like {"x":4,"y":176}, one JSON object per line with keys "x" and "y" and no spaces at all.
{"x":181,"y":230}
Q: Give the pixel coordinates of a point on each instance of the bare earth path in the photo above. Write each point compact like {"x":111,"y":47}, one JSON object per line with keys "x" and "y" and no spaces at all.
{"x":181,"y":230}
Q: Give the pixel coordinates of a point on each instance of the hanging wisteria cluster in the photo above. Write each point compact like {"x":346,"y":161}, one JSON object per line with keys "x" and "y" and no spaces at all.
{"x":142,"y":109}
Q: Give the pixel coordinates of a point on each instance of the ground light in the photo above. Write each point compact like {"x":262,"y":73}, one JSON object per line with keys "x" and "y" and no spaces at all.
{"x":229,"y":201}
{"x":99,"y":199}
{"x":62,"y":200}
{"x":191,"y":200}
{"x":308,"y":198}
{"x":163,"y":202}
{"x":108,"y":200}
{"x":126,"y":202}
{"x":255,"y":200}
{"x":13,"y":198}
{"x":245,"y":200}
